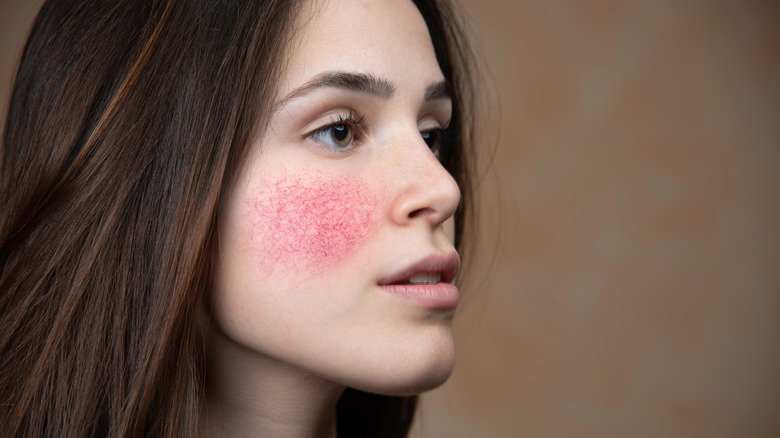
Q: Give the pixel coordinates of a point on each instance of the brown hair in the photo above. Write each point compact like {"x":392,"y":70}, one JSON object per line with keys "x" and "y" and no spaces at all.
{"x":127,"y":122}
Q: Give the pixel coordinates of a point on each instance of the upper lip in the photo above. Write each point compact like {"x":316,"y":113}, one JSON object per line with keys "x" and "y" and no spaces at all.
{"x":445,"y":265}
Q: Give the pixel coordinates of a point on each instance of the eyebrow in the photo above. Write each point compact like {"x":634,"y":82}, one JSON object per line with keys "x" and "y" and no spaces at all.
{"x":363,"y":83}
{"x":439,"y":90}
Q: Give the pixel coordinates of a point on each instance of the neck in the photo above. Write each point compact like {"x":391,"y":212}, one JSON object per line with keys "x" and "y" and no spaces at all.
{"x":252,"y":395}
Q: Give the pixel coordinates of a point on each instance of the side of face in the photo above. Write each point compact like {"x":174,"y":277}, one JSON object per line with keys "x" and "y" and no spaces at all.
{"x":341,"y":202}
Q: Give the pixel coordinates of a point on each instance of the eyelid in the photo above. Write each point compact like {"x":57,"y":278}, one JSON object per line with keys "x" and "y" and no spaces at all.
{"x":431,"y":123}
{"x":344,"y":117}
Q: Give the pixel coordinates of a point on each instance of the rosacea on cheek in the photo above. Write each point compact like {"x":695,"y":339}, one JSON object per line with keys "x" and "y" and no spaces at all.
{"x":309,"y":223}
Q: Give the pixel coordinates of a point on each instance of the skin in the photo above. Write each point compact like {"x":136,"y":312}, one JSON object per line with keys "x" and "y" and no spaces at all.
{"x":310,"y":230}
{"x":309,"y":222}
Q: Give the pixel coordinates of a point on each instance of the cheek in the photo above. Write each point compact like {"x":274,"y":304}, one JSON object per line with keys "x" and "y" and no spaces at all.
{"x":311,"y":223}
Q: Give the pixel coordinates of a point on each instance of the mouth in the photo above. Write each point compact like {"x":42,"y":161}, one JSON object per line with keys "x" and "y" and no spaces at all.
{"x":427,"y":278}
{"x":432,"y":269}
{"x":427,"y":282}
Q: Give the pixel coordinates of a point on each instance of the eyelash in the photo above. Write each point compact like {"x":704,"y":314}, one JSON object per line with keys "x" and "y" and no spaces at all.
{"x":356,"y":122}
{"x":353,"y":120}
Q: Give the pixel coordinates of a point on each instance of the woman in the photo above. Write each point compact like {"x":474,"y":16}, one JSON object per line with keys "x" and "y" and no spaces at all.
{"x":231,"y":218}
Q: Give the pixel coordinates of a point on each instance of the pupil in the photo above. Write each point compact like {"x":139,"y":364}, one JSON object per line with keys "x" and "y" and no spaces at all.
{"x":340,"y":133}
{"x":431,"y":139}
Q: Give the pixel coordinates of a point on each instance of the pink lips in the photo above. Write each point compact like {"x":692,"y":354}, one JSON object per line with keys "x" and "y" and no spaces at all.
{"x":441,"y":295}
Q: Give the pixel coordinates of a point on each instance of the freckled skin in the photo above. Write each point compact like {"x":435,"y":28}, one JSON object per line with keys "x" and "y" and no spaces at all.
{"x":309,"y":223}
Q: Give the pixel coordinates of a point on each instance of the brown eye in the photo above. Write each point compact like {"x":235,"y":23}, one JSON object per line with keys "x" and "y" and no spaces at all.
{"x":339,"y":135}
{"x":342,"y":135}
{"x":434,"y":140}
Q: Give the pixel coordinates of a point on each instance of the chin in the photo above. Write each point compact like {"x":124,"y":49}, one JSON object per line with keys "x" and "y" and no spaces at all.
{"x":413,"y":372}
{"x":432,"y":378}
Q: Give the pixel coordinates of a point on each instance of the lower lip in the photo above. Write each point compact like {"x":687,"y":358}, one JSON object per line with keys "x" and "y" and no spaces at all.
{"x":434,"y":296}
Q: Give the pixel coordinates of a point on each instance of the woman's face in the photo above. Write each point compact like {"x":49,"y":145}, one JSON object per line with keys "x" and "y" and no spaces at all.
{"x":336,"y":248}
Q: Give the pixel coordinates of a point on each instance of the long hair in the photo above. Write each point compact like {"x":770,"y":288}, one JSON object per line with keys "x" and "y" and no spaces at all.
{"x":128,"y":122}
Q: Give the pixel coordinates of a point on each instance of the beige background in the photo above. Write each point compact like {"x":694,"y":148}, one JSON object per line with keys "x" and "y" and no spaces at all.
{"x":631,"y":218}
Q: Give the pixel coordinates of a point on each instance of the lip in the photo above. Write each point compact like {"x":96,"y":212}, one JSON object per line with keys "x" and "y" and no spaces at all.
{"x":442,"y":295}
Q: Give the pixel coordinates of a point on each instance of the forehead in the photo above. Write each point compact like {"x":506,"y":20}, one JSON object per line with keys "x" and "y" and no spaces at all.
{"x":386,"y":38}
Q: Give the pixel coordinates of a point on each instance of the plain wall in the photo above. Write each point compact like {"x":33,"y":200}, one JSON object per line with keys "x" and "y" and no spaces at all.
{"x":630,"y":251}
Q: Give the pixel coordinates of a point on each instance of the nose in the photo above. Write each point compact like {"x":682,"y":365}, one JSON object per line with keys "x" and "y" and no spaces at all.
{"x":426,"y":191}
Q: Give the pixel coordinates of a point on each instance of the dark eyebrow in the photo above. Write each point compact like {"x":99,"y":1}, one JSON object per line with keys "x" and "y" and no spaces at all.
{"x":363,"y":83}
{"x":357,"y":82}
{"x":439,"y":90}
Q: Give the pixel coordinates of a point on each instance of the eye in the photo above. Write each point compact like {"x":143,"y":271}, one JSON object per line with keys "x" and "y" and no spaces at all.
{"x":433,"y":139}
{"x":340,"y":134}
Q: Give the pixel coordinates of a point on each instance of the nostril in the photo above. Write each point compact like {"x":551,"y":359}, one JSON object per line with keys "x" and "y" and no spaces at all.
{"x":421,"y":212}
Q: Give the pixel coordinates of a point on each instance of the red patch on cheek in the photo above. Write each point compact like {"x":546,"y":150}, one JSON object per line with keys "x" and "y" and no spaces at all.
{"x":312,"y":223}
